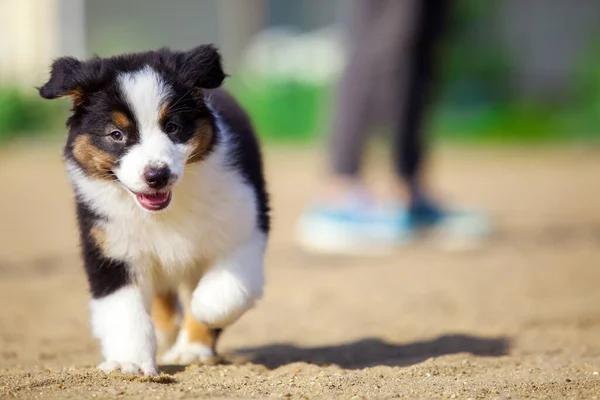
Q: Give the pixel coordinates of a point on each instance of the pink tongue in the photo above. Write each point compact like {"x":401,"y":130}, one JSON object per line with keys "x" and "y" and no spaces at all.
{"x":154,"y":199}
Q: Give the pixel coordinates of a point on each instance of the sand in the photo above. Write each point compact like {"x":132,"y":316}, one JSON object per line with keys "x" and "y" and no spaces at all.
{"x":518,"y":317}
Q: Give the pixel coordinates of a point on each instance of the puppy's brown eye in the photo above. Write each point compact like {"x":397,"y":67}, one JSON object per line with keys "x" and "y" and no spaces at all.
{"x":117,"y":136}
{"x":171,"y":127}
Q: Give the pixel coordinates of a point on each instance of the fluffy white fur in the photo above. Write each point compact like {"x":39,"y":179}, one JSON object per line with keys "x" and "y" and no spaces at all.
{"x":209,"y":231}
{"x":123,"y":324}
{"x":230,"y":287}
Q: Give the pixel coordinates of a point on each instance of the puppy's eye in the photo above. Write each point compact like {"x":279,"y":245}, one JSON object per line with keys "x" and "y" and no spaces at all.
{"x":117,"y":136}
{"x":171,"y":127}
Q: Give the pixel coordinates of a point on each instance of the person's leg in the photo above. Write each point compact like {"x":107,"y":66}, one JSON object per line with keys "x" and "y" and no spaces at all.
{"x":351,"y":108}
{"x":410,"y":147}
{"x":349,"y":130}
{"x":380,"y":32}
{"x":345,"y":216}
{"x":409,"y":139}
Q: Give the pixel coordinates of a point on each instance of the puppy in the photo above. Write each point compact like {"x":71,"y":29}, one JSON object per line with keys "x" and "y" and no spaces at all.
{"x":171,"y":202}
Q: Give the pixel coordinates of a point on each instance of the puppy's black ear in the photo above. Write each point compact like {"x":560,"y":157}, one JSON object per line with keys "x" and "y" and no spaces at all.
{"x":62,"y":79}
{"x":201,"y":67}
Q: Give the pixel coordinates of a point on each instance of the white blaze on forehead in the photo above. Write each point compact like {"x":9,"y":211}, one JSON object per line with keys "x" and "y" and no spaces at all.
{"x":145,"y":92}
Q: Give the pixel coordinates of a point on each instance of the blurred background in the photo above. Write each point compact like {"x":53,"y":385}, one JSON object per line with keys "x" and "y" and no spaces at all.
{"x":512,"y":70}
{"x":515,"y":129}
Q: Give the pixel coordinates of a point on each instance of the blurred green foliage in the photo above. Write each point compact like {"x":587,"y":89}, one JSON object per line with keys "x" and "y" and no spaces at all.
{"x":474,"y":67}
{"x":283,"y":110}
{"x":584,"y":112}
{"x":475,"y":102}
{"x":296,"y":112}
{"x":25,"y":114}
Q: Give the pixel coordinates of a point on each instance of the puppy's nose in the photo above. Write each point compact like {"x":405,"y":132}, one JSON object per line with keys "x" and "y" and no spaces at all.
{"x":157,"y":178}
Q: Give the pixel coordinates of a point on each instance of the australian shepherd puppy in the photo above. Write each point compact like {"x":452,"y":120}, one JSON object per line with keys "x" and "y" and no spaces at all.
{"x":171,"y":202}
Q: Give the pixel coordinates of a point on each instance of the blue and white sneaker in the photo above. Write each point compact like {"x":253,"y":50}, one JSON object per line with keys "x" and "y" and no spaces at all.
{"x":458,"y":229}
{"x":361,"y":229}
{"x":357,"y":229}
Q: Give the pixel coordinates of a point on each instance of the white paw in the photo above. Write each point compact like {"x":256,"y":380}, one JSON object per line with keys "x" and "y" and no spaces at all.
{"x":188,"y":353}
{"x":129,"y":368}
{"x":221,"y":299}
{"x":210,"y":307}
{"x":231,"y":286}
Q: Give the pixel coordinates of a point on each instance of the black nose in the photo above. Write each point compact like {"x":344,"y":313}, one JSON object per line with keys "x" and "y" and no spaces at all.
{"x":157,"y":178}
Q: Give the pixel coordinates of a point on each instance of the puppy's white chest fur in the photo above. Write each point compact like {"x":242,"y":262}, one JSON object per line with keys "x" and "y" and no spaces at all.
{"x":212,"y":212}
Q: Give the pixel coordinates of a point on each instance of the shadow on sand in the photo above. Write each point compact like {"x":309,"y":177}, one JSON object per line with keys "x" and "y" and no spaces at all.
{"x":373,"y":352}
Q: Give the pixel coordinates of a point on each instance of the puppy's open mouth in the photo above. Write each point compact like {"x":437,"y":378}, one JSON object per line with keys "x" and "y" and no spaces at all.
{"x":154,"y":201}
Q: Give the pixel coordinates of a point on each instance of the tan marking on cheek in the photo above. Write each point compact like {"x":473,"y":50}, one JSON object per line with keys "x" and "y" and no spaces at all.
{"x":200,"y":141}
{"x":99,"y":237}
{"x":94,"y":161}
{"x":164,"y":315}
{"x":121,"y":120}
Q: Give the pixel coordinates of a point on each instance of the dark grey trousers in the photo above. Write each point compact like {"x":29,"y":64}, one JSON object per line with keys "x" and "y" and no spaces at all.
{"x":391,"y":64}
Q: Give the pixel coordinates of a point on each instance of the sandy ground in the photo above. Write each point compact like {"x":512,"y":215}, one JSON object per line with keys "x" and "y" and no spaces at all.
{"x":518,"y":317}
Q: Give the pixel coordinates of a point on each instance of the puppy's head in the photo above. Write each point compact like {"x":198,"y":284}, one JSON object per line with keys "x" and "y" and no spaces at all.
{"x":138,"y":119}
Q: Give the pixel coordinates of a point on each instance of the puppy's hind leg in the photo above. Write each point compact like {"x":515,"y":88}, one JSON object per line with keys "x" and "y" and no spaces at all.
{"x":196,"y":342}
{"x":166,"y":318}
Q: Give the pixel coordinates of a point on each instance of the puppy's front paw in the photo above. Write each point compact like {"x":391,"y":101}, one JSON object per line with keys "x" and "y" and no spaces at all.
{"x":189,"y":353}
{"x":129,"y":368}
{"x":219,"y":303}
{"x":232,"y":286}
